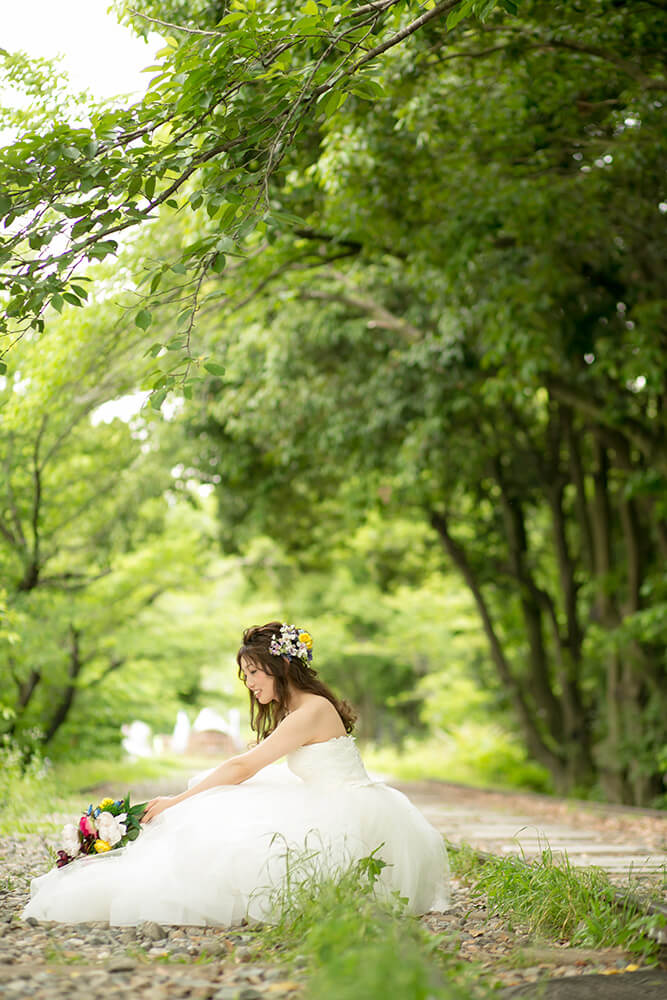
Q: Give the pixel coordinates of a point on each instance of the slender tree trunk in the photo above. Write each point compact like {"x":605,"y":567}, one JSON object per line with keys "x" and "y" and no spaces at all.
{"x":577,"y":734}
{"x":67,"y":699}
{"x":540,"y":750}
{"x":608,"y":615}
{"x":517,"y":544}
{"x":579,"y":482}
{"x":26,"y":691}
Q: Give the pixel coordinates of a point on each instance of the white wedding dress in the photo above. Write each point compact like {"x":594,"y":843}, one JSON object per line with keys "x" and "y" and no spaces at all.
{"x":220,"y":855}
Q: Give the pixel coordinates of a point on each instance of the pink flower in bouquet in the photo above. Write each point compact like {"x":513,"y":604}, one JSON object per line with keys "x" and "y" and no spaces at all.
{"x":87,"y":826}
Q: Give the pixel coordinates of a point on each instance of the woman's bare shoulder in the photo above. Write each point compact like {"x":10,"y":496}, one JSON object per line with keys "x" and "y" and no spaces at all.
{"x":321,"y":712}
{"x":318,"y":703}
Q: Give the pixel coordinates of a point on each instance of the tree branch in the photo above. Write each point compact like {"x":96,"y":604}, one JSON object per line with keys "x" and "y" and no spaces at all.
{"x":381,"y":317}
{"x":632,"y":430}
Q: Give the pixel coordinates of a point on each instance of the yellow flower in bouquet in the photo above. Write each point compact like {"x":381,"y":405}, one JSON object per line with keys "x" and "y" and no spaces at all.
{"x":101,"y":846}
{"x":105,"y":803}
{"x":306,"y":639}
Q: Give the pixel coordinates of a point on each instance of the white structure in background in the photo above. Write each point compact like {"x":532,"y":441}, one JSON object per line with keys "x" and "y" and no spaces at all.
{"x":208,"y":719}
{"x":181,"y":734}
{"x":137,"y":739}
{"x":210,"y":733}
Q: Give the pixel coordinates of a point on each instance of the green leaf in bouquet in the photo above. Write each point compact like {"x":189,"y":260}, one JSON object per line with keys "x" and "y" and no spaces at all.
{"x":137,"y":810}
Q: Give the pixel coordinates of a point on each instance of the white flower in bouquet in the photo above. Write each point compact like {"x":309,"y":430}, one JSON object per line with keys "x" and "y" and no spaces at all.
{"x":71,"y":839}
{"x":110,"y":828}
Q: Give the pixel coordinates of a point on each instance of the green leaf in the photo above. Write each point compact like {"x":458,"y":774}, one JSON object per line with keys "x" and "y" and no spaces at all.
{"x":3,"y":367}
{"x":57,"y":302}
{"x":234,"y":17}
{"x":458,"y":14}
{"x":367,"y":89}
{"x":134,"y":185}
{"x":149,"y":187}
{"x":328,"y":103}
{"x":219,"y":262}
{"x":310,"y":7}
{"x":184,"y":317}
{"x":72,"y":299}
{"x":102,"y":249}
{"x":143,"y":319}
{"x":158,"y":398}
{"x":214,"y":368}
{"x":282,"y":219}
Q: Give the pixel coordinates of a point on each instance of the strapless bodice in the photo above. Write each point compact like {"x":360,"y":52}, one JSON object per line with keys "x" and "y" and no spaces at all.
{"x":335,"y":761}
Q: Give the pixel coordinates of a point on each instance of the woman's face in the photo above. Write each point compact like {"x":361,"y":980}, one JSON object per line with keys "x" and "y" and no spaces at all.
{"x":261,"y":684}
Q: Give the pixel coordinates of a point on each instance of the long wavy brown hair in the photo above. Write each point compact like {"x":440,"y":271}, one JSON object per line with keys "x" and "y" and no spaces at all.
{"x":255,"y":649}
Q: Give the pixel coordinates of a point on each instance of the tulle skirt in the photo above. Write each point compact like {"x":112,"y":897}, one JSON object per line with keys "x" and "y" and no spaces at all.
{"x":232,"y":852}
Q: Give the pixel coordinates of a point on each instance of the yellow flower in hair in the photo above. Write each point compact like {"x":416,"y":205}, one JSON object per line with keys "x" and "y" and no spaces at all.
{"x":105,"y":803}
{"x":306,"y":639}
{"x":101,"y":846}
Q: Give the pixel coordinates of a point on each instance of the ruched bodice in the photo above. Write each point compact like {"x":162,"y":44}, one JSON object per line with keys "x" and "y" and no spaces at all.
{"x":336,"y":761}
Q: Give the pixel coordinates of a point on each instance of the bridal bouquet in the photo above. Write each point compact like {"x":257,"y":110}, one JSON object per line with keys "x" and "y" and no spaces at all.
{"x":110,"y":824}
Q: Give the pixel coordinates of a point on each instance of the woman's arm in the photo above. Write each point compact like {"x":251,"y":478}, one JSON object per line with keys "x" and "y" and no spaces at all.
{"x":299,"y":728}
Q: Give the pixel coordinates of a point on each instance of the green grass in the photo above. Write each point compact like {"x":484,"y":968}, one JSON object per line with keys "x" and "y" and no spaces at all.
{"x":553,"y":899}
{"x":351,"y":945}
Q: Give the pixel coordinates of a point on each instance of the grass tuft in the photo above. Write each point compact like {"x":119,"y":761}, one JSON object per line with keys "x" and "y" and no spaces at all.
{"x":354,"y":942}
{"x":554,"y":899}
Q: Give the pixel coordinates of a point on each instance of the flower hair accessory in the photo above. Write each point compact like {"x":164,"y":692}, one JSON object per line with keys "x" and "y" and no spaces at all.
{"x":292,"y":641}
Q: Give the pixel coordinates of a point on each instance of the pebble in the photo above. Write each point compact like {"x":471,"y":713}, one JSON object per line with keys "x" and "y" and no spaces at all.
{"x":122,"y":964}
{"x":237,"y":993}
{"x":152,"y":931}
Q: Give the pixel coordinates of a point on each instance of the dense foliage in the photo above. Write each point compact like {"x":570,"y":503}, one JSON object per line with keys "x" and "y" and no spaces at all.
{"x":406,"y":264}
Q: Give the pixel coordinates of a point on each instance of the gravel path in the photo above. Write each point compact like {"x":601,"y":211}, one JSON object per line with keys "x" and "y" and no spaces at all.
{"x":626,"y":842}
{"x":52,"y":961}
{"x":49,"y":961}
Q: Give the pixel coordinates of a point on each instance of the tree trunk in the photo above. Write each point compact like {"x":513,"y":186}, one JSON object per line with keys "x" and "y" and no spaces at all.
{"x":26,"y":691}
{"x":538,"y":661}
{"x":540,"y":750}
{"x":607,"y":613}
{"x":67,"y":700}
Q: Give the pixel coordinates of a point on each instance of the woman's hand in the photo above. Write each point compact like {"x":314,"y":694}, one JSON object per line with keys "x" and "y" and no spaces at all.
{"x":156,"y":806}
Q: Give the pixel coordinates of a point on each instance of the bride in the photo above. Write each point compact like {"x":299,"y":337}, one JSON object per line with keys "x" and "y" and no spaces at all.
{"x":221,"y":850}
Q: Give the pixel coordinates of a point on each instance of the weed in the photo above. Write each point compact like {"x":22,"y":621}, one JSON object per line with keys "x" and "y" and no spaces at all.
{"x":355,"y":940}
{"x":554,"y":899}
